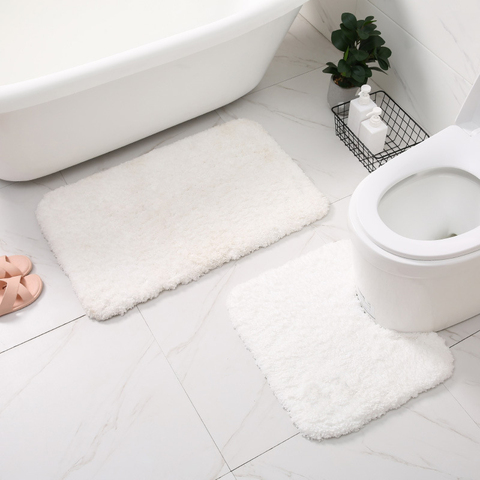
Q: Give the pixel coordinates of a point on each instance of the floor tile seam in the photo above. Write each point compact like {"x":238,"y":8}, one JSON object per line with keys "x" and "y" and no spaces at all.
{"x":316,"y":29}
{"x":333,"y":202}
{"x":227,"y":474}
{"x":63,"y":177}
{"x":463,"y":339}
{"x":265,"y":451}
{"x":185,"y":391}
{"x":340,"y":199}
{"x":216,"y":111}
{"x":461,"y":405}
{"x":313,"y":69}
{"x":42,"y":334}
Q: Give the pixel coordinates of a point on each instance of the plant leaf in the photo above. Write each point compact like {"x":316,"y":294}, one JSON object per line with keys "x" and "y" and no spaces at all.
{"x":350,"y":34}
{"x":344,"y":68}
{"x":363,"y":34}
{"x":384,"y":53}
{"x":378,"y":41}
{"x":359,"y":55}
{"x":377,"y":69}
{"x":358,"y":73}
{"x":349,"y":20}
{"x":372,"y":43}
{"x":339,"y":40}
{"x":384,"y":64}
{"x":332,"y":70}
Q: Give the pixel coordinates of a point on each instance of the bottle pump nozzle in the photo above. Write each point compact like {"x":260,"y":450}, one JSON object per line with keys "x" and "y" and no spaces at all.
{"x":374,"y":117}
{"x":364,"y":94}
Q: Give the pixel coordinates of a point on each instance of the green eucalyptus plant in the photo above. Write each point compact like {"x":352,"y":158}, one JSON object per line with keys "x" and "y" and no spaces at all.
{"x":362,"y":45}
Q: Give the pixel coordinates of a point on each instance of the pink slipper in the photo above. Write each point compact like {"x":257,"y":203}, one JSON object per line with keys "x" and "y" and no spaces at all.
{"x":18,"y":292}
{"x":14,"y":265}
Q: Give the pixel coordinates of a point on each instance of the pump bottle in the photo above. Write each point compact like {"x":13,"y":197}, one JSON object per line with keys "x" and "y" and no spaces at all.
{"x":359,"y":109}
{"x":373,"y":131}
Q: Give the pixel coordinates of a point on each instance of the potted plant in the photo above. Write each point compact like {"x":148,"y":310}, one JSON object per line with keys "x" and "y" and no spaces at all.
{"x":362,"y":45}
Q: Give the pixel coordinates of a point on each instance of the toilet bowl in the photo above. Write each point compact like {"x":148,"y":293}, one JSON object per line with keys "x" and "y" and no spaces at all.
{"x":415,"y":229}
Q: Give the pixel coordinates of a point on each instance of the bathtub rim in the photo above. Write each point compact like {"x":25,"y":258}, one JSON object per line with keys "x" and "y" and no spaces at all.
{"x":39,"y":90}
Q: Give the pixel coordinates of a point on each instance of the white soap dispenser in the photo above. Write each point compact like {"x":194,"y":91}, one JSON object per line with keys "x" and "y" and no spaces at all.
{"x":359,"y":109}
{"x":373,"y":131}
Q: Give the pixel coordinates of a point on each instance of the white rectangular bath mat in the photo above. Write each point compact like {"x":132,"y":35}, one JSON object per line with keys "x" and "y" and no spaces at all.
{"x":166,"y":218}
{"x":329,"y":364}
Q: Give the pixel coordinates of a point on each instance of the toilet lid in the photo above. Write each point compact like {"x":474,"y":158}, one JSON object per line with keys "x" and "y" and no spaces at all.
{"x":451,"y":149}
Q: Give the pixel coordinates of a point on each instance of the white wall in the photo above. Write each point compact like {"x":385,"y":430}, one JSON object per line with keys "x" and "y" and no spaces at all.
{"x":436,"y":51}
{"x":325,"y":15}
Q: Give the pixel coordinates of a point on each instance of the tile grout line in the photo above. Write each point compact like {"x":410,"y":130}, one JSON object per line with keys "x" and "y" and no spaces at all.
{"x":463,"y":339}
{"x":300,"y":74}
{"x":63,"y":176}
{"x":343,"y":198}
{"x":448,"y":390}
{"x":461,"y":406}
{"x":312,"y":25}
{"x":416,"y":40}
{"x":186,"y":393}
{"x":42,"y":334}
{"x":283,"y":81}
{"x":266,"y":451}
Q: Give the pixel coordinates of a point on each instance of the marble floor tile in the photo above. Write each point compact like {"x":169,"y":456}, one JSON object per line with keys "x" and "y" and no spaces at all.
{"x":297,"y":116}
{"x":224,"y":472}
{"x":460,"y":331}
{"x":303,"y":49}
{"x":429,"y":438}
{"x":229,"y":392}
{"x":464,"y":385}
{"x":52,"y":182}
{"x":4,"y":183}
{"x":134,"y":150}
{"x":228,"y":476}
{"x":99,"y":400}
{"x":193,"y":328}
{"x":334,"y":226}
{"x":20,"y":234}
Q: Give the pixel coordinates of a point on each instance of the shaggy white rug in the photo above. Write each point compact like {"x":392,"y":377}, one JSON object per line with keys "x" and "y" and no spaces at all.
{"x":126,"y":234}
{"x":329,"y":364}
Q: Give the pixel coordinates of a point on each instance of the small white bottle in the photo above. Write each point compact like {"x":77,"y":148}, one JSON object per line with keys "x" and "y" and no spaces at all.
{"x":373,"y":131}
{"x":359,"y":109}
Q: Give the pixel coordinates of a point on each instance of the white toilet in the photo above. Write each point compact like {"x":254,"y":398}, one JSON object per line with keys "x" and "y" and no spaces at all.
{"x":415,"y":228}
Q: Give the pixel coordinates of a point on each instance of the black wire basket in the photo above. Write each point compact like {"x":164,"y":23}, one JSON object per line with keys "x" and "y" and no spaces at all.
{"x":403,"y":132}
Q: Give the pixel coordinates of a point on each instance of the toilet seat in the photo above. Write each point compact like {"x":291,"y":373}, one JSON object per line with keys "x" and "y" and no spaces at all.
{"x":452,"y":148}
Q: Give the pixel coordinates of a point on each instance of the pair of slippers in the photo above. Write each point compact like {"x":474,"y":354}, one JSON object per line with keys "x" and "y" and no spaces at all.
{"x":17,"y":288}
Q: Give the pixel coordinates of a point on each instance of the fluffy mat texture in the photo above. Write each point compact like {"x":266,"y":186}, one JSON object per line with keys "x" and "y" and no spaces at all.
{"x":329,"y":364}
{"x":126,"y":234}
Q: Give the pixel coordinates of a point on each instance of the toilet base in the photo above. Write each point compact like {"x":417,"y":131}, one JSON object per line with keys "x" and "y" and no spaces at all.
{"x":416,"y":296}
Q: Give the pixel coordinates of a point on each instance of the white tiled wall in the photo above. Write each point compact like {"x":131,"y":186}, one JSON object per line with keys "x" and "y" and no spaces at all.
{"x":325,"y":15}
{"x":435,"y":46}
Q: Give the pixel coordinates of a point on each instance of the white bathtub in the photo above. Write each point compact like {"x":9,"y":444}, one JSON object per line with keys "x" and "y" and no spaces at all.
{"x":79,"y":78}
